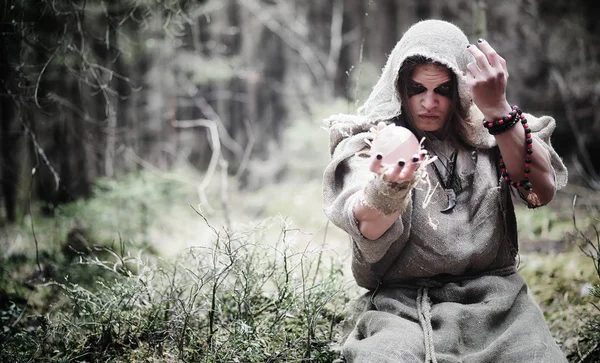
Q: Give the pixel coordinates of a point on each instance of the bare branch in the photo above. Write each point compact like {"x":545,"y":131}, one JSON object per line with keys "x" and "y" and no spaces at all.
{"x":41,"y":152}
{"x":248,"y":151}
{"x":203,"y":105}
{"x":216,"y":154}
{"x":37,"y":84}
{"x":295,"y":42}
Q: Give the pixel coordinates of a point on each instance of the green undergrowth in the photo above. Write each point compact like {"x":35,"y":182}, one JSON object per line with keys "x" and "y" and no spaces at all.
{"x":565,"y":277}
{"x":236,"y":299}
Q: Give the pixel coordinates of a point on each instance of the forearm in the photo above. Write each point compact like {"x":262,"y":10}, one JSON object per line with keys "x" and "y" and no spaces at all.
{"x":513,"y":150}
{"x":371,"y":222}
{"x":380,"y":204}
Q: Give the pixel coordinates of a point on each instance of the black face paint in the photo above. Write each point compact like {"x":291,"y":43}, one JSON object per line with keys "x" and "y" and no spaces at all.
{"x":414,"y":88}
{"x":444,"y":89}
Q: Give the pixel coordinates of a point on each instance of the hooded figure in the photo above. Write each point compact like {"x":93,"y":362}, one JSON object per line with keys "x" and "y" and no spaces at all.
{"x":442,"y":279}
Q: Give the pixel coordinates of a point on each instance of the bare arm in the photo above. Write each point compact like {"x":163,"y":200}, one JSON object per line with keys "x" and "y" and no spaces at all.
{"x":371,"y":223}
{"x":541,"y":175}
{"x":488,"y":79}
{"x":374,"y":222}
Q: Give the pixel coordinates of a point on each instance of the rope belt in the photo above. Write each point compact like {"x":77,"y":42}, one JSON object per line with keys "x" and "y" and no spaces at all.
{"x":424,"y":312}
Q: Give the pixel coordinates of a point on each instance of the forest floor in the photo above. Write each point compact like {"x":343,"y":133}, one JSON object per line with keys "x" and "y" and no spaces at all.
{"x":149,"y":270}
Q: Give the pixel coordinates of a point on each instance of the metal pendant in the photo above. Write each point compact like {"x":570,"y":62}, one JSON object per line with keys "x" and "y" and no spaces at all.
{"x":451,"y":201}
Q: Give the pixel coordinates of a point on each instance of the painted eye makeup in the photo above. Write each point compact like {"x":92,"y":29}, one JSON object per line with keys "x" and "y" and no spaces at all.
{"x":414,"y":88}
{"x":444,"y":90}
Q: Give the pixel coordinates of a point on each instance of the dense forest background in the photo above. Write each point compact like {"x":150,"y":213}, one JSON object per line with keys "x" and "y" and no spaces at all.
{"x":117,"y":116}
{"x":97,"y":88}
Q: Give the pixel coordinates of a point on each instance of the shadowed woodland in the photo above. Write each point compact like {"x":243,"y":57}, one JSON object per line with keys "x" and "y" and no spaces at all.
{"x":161,"y":161}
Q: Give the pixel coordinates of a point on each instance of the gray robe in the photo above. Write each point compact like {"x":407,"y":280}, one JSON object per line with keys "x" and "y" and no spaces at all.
{"x":443,"y":286}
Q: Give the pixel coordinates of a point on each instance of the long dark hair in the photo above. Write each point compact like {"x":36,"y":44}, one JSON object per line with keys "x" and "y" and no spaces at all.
{"x":455,"y":128}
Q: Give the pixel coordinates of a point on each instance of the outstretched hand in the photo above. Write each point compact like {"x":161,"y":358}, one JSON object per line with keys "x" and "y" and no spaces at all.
{"x":487,"y":79}
{"x":402,"y":170}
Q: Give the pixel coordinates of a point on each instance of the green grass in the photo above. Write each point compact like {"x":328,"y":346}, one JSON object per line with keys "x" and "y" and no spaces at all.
{"x":240,"y":298}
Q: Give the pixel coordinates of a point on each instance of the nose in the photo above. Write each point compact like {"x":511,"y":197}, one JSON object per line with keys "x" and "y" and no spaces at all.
{"x":429,"y":101}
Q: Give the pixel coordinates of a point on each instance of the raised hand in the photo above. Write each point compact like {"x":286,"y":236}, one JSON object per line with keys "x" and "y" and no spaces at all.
{"x":487,"y":78}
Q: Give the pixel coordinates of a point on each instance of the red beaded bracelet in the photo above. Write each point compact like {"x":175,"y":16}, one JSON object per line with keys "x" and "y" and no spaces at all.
{"x":532,"y":198}
{"x":503,"y":124}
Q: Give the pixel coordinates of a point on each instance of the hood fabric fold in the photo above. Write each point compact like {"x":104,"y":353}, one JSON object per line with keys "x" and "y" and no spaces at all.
{"x":438,"y":40}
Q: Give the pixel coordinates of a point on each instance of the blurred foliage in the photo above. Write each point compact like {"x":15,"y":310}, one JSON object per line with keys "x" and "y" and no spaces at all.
{"x":202,"y":70}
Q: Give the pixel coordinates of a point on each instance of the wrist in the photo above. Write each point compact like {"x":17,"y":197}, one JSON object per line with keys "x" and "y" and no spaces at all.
{"x":387,"y":197}
{"x":505,"y":123}
{"x":494,"y":113}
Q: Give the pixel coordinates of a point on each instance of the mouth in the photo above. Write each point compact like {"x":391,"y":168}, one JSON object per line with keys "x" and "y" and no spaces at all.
{"x":429,"y":117}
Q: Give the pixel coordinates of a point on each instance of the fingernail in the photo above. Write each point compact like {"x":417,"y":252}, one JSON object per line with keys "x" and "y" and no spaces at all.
{"x":479,"y":40}
{"x":468,"y":46}
{"x":415,"y":160}
{"x":379,"y":156}
{"x":401,"y":163}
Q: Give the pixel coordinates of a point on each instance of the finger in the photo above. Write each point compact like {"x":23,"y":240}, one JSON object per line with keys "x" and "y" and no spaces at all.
{"x":490,"y":53}
{"x":482,"y":61}
{"x":395,"y":172}
{"x":473,"y":70}
{"x":409,"y":170}
{"x":381,"y":125}
{"x":422,"y":154}
{"x":375,"y":166}
{"x":503,"y":64}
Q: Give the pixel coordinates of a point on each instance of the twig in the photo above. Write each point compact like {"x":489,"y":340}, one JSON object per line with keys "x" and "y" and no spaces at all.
{"x":224,"y":195}
{"x":210,"y":113}
{"x":37,"y":84}
{"x":206,"y":221}
{"x":321,"y":253}
{"x":219,"y":277}
{"x":37,"y":249}
{"x":588,"y":353}
{"x":66,"y":103}
{"x":41,"y":152}
{"x":308,"y":320}
{"x":246,"y":158}
{"x":216,"y":154}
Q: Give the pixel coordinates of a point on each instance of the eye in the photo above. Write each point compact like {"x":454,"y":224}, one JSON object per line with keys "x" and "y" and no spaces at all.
{"x":414,"y":88}
{"x":444,"y":90}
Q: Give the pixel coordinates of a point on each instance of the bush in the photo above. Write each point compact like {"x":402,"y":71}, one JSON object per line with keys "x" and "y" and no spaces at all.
{"x":238,"y":299}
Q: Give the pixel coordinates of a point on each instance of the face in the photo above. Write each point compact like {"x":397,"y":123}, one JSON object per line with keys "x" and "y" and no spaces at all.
{"x":429,"y":93}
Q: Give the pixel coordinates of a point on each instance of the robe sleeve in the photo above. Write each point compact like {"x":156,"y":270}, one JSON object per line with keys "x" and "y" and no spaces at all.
{"x":346,"y":178}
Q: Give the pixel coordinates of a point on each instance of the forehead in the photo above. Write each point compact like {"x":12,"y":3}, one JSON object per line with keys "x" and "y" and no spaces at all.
{"x":431,"y":74}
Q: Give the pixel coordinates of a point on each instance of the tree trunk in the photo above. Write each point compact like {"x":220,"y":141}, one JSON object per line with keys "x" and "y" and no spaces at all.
{"x":10,"y":131}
